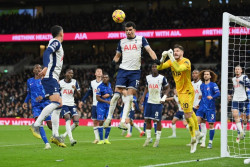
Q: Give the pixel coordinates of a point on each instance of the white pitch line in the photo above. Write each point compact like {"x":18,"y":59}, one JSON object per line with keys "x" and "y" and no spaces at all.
{"x":181,"y":162}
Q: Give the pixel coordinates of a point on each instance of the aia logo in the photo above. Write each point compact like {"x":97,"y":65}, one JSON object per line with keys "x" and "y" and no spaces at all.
{"x":196,"y":91}
{"x":153,"y":86}
{"x":67,"y":91}
{"x":95,"y":90}
{"x":62,"y":58}
{"x":130,"y":47}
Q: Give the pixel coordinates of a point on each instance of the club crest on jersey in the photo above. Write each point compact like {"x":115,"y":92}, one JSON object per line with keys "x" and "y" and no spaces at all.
{"x":130,"y":47}
{"x":67,"y":91}
{"x":153,"y":86}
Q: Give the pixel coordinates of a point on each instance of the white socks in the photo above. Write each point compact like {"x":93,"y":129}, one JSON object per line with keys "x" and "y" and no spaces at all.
{"x":96,"y":133}
{"x":68,"y":129}
{"x":239,"y":127}
{"x":158,"y":135}
{"x":148,"y":132}
{"x":127,"y":106}
{"x":174,"y":129}
{"x":137,"y":127}
{"x":244,"y":127}
{"x":55,"y":122}
{"x":73,"y":126}
{"x":46,"y":112}
{"x":204,"y":131}
{"x":113,"y":103}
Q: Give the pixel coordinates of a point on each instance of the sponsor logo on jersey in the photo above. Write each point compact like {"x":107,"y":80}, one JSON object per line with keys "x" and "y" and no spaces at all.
{"x":130,"y":47}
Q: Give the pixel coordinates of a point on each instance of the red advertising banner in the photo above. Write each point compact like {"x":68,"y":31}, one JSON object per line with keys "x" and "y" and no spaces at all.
{"x":89,"y":122}
{"x":175,"y":33}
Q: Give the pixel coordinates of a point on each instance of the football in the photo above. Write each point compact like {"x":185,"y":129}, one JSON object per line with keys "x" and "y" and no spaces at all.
{"x":118,"y":16}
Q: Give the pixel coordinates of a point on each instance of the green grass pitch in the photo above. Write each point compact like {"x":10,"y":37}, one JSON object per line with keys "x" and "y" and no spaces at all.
{"x":18,"y":148}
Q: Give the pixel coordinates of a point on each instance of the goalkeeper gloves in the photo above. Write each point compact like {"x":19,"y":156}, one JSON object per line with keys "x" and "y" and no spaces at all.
{"x":171,"y":55}
{"x":168,"y":53}
{"x":164,"y":56}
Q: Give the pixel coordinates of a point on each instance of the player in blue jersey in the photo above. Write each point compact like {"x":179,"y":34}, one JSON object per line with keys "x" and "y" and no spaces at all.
{"x":52,"y":62}
{"x":103,"y":96}
{"x":38,"y":101}
{"x":130,"y":119}
{"x":210,"y":92}
{"x":128,"y":77}
{"x":92,"y":89}
{"x":69,"y":87}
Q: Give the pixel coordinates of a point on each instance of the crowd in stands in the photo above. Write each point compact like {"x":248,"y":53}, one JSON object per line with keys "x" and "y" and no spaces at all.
{"x":157,"y":18}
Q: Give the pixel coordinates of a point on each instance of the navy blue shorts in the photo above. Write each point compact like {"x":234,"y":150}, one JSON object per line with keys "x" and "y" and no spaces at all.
{"x":154,"y":111}
{"x":51,"y":86}
{"x":128,"y":78}
{"x":93,"y":113}
{"x":102,"y":112}
{"x":241,"y":106}
{"x":208,"y":115}
{"x":179,"y":115}
{"x":69,"y":110}
{"x":36,"y":110}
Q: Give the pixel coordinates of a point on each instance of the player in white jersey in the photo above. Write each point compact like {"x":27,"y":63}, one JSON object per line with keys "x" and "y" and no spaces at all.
{"x":52,"y":62}
{"x":239,"y":101}
{"x":128,"y":76}
{"x":197,"y":98}
{"x":92,"y":89}
{"x":155,"y":83}
{"x":179,"y":115}
{"x":69,"y":86}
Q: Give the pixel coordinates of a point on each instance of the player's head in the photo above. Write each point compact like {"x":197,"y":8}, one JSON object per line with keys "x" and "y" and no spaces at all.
{"x":57,"y":31}
{"x":154,"y":69}
{"x":69,"y":74}
{"x":98,"y":72}
{"x":178,"y":51}
{"x":130,"y":29}
{"x":195,"y":75}
{"x":238,"y":70}
{"x":208,"y":75}
{"x":105,"y":78}
{"x":37,"y":69}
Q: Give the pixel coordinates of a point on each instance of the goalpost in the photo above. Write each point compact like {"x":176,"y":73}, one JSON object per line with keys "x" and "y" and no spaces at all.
{"x":235,"y":51}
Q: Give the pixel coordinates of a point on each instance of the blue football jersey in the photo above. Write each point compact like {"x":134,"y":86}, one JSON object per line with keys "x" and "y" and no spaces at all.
{"x":103,"y":89}
{"x":34,"y":89}
{"x":210,"y":89}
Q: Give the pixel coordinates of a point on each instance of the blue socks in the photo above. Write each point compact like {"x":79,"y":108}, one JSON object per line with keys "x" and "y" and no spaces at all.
{"x":211,"y":134}
{"x":155,"y":126}
{"x":144,"y":127}
{"x":43,"y":135}
{"x":107,"y":131}
{"x":100,"y":130}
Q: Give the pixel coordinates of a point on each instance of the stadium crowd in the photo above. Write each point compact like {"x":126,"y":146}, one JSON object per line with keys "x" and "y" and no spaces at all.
{"x":156,"y":18}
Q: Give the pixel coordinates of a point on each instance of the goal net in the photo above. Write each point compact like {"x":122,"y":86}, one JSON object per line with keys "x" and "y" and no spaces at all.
{"x":235,"y":51}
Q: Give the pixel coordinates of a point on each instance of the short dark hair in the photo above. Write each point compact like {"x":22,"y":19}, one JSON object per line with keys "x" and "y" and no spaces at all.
{"x":105,"y":73}
{"x":68,"y":70}
{"x":130,"y":24}
{"x":36,"y":66}
{"x":179,"y":46}
{"x":55,"y":30}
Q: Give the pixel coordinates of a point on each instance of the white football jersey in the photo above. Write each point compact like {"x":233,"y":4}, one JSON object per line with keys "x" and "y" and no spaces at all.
{"x":67,"y":92}
{"x":93,"y":85}
{"x":178,"y":103}
{"x":55,"y":59}
{"x":239,"y":89}
{"x":197,"y":91}
{"x":131,"y":50}
{"x":155,"y":85}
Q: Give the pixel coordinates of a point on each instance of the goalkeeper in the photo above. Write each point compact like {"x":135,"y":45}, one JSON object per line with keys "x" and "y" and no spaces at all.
{"x":181,"y":71}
